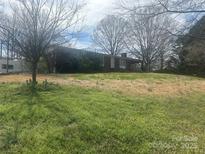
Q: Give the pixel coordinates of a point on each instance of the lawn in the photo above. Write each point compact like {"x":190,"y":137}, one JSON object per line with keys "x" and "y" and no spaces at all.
{"x":77,"y":114}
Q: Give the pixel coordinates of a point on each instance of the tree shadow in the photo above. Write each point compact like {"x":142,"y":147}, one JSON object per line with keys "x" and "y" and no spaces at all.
{"x":21,"y":113}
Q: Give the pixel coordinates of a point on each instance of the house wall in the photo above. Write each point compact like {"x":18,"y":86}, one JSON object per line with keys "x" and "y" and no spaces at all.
{"x":70,"y":60}
{"x":128,"y":66}
{"x":75,"y":61}
{"x":16,"y":66}
{"x":107,"y":63}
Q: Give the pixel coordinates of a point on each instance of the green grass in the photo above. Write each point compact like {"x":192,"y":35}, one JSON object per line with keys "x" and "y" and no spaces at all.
{"x":66,"y":119}
{"x":132,"y":76}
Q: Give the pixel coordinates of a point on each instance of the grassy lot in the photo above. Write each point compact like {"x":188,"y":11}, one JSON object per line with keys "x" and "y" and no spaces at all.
{"x":74,"y":118}
{"x":132,"y":76}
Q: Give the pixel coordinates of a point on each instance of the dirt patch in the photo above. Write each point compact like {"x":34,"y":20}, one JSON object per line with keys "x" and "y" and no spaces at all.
{"x":128,"y":87}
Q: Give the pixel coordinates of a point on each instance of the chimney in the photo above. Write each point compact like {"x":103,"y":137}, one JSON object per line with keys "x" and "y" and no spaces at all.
{"x":124,"y":55}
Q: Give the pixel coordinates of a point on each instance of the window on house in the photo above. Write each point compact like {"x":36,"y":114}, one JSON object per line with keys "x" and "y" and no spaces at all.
{"x":122,"y":64}
{"x":10,"y":67}
{"x":4,"y":66}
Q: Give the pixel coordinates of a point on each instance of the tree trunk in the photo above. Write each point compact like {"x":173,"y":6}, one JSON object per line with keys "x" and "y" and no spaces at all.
{"x":7,"y":59}
{"x":1,"y":51}
{"x":34,"y":73}
{"x":162,"y":62}
{"x":142,"y":66}
{"x":147,"y":67}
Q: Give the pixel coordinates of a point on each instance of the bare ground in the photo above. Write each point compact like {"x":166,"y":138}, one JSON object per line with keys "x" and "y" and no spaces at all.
{"x":128,"y":87}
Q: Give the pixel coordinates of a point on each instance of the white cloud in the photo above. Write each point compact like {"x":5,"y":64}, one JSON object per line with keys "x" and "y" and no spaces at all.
{"x":95,"y":10}
{"x":82,"y":45}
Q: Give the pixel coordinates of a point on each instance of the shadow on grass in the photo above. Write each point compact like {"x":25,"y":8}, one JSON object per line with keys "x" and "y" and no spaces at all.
{"x":24,"y":103}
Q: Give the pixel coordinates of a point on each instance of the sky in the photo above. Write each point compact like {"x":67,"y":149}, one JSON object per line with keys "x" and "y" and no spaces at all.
{"x":94,"y":11}
{"x":97,"y":9}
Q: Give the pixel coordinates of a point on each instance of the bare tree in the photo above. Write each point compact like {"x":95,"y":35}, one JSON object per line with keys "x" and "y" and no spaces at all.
{"x":166,"y":6}
{"x":41,"y":24}
{"x":6,"y":37}
{"x":109,"y":34}
{"x":148,"y":39}
{"x":191,"y":10}
{"x":181,"y":6}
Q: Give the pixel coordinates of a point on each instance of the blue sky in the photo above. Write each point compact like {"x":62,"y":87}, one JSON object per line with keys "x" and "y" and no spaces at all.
{"x":84,"y":38}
